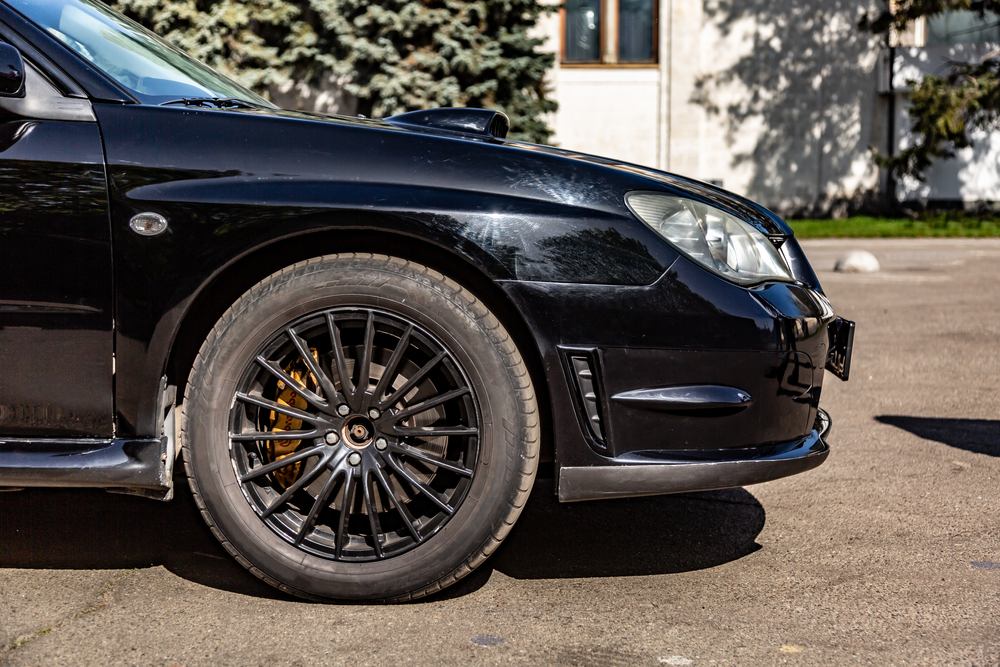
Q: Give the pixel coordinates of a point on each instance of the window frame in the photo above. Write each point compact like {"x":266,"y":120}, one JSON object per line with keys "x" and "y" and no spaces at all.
{"x":609,"y":39}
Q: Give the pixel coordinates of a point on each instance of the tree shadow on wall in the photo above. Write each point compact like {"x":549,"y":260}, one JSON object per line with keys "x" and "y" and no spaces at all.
{"x":807,"y":88}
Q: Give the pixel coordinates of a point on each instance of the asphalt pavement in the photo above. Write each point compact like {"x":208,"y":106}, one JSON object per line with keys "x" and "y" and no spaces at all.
{"x":888,"y":554}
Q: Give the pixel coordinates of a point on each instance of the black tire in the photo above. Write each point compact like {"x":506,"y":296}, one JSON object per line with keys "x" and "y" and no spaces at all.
{"x":498,"y":403}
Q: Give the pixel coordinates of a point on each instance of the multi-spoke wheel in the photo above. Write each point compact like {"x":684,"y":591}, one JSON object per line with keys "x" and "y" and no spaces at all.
{"x":382,"y":446}
{"x":360,"y":427}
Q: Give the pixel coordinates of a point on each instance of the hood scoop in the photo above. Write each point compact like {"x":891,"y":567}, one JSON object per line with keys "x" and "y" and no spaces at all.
{"x":479,"y":123}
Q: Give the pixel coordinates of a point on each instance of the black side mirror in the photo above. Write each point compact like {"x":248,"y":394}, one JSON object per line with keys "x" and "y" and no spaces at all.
{"x":11,"y":72}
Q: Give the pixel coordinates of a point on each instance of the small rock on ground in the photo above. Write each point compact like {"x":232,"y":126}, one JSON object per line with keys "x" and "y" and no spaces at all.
{"x":857,"y":261}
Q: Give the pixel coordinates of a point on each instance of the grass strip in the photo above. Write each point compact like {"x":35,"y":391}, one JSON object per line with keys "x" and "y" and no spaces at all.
{"x":940,"y":225}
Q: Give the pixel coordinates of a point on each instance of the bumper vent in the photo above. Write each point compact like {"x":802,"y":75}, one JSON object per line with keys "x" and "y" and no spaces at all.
{"x":586,"y":383}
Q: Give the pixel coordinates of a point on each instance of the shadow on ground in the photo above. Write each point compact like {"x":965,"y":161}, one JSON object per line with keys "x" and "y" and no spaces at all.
{"x":981,"y":436}
{"x":625,"y":537}
{"x":91,"y":529}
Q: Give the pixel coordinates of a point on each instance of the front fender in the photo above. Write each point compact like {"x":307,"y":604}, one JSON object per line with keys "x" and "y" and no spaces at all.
{"x":233,"y":184}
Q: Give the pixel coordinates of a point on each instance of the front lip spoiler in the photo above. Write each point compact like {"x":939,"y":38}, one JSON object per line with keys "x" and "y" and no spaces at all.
{"x":631,"y":479}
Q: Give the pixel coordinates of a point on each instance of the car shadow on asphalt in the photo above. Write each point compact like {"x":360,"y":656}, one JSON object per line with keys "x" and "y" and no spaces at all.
{"x":623,"y":537}
{"x":92,"y":529}
{"x":981,"y":436}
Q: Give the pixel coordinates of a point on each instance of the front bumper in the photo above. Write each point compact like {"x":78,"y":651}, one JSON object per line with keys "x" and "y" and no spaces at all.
{"x":631,"y":476}
{"x":690,"y":370}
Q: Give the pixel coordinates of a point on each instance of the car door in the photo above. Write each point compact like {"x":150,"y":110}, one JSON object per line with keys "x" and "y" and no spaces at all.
{"x":56,"y":319}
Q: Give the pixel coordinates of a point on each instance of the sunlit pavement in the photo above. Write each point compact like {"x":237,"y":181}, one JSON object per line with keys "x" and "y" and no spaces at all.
{"x":887,"y":554}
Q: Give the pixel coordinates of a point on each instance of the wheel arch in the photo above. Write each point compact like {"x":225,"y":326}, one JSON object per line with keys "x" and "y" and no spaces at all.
{"x":226,"y":287}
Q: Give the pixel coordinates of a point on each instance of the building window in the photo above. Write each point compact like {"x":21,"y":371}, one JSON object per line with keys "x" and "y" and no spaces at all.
{"x":636,"y":30}
{"x":962,"y":27}
{"x":583,"y":31}
{"x":609,"y":32}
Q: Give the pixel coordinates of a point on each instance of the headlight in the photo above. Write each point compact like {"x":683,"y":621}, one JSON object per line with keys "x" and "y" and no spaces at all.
{"x":723,"y":244}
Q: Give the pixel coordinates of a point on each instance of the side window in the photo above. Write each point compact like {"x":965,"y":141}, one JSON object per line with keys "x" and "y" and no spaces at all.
{"x":610,"y":32}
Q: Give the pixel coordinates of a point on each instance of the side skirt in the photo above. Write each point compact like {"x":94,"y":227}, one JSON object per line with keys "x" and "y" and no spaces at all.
{"x":134,"y":466}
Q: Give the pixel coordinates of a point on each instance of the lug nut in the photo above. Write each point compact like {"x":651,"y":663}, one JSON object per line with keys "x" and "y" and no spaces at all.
{"x":331,"y":438}
{"x":374,"y":413}
{"x":381,"y":444}
{"x":354,"y":459}
{"x":343,"y":410}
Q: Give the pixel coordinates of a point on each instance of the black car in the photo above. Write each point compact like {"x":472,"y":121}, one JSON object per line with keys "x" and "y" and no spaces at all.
{"x":363,"y":336}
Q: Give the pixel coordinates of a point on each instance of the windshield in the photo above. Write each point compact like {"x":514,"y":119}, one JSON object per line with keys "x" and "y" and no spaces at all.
{"x":149,"y":68}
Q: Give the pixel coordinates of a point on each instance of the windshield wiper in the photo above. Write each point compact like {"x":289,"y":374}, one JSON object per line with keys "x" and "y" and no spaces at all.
{"x":214,"y":102}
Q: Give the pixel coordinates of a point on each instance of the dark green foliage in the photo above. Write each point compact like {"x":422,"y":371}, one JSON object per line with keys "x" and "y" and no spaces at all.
{"x":393,"y":56}
{"x":944,"y":109}
{"x":401,"y":55}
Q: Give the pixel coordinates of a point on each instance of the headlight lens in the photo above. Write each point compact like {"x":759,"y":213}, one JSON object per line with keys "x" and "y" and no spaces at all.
{"x":723,"y":244}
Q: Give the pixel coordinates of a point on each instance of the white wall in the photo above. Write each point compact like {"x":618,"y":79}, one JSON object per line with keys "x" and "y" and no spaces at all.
{"x":611,"y":112}
{"x":774,"y":98}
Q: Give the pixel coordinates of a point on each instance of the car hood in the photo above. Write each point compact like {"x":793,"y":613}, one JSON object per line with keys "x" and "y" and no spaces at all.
{"x":483,"y":132}
{"x":492,"y":126}
{"x":754,"y":213}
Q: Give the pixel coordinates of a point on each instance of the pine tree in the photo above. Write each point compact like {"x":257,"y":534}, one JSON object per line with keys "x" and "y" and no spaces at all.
{"x":393,"y":56}
{"x":403,"y":55}
{"x":944,"y":108}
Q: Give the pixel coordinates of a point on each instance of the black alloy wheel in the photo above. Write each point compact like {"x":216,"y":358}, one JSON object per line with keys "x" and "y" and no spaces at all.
{"x":387,"y":438}
{"x":359,"y":427}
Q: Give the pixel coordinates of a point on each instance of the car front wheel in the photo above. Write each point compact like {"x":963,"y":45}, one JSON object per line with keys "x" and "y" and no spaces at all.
{"x":360,"y":427}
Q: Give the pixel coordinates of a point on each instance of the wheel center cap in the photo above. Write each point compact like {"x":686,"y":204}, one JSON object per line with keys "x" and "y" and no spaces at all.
{"x":358,"y":432}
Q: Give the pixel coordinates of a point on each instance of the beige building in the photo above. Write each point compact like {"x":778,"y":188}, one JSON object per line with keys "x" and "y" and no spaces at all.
{"x":779,"y":100}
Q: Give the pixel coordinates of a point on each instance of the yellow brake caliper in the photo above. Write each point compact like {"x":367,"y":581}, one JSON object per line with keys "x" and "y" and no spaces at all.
{"x":279,"y":449}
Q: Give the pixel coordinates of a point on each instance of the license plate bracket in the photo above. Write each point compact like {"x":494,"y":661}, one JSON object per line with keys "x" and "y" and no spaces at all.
{"x":838,"y":361}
